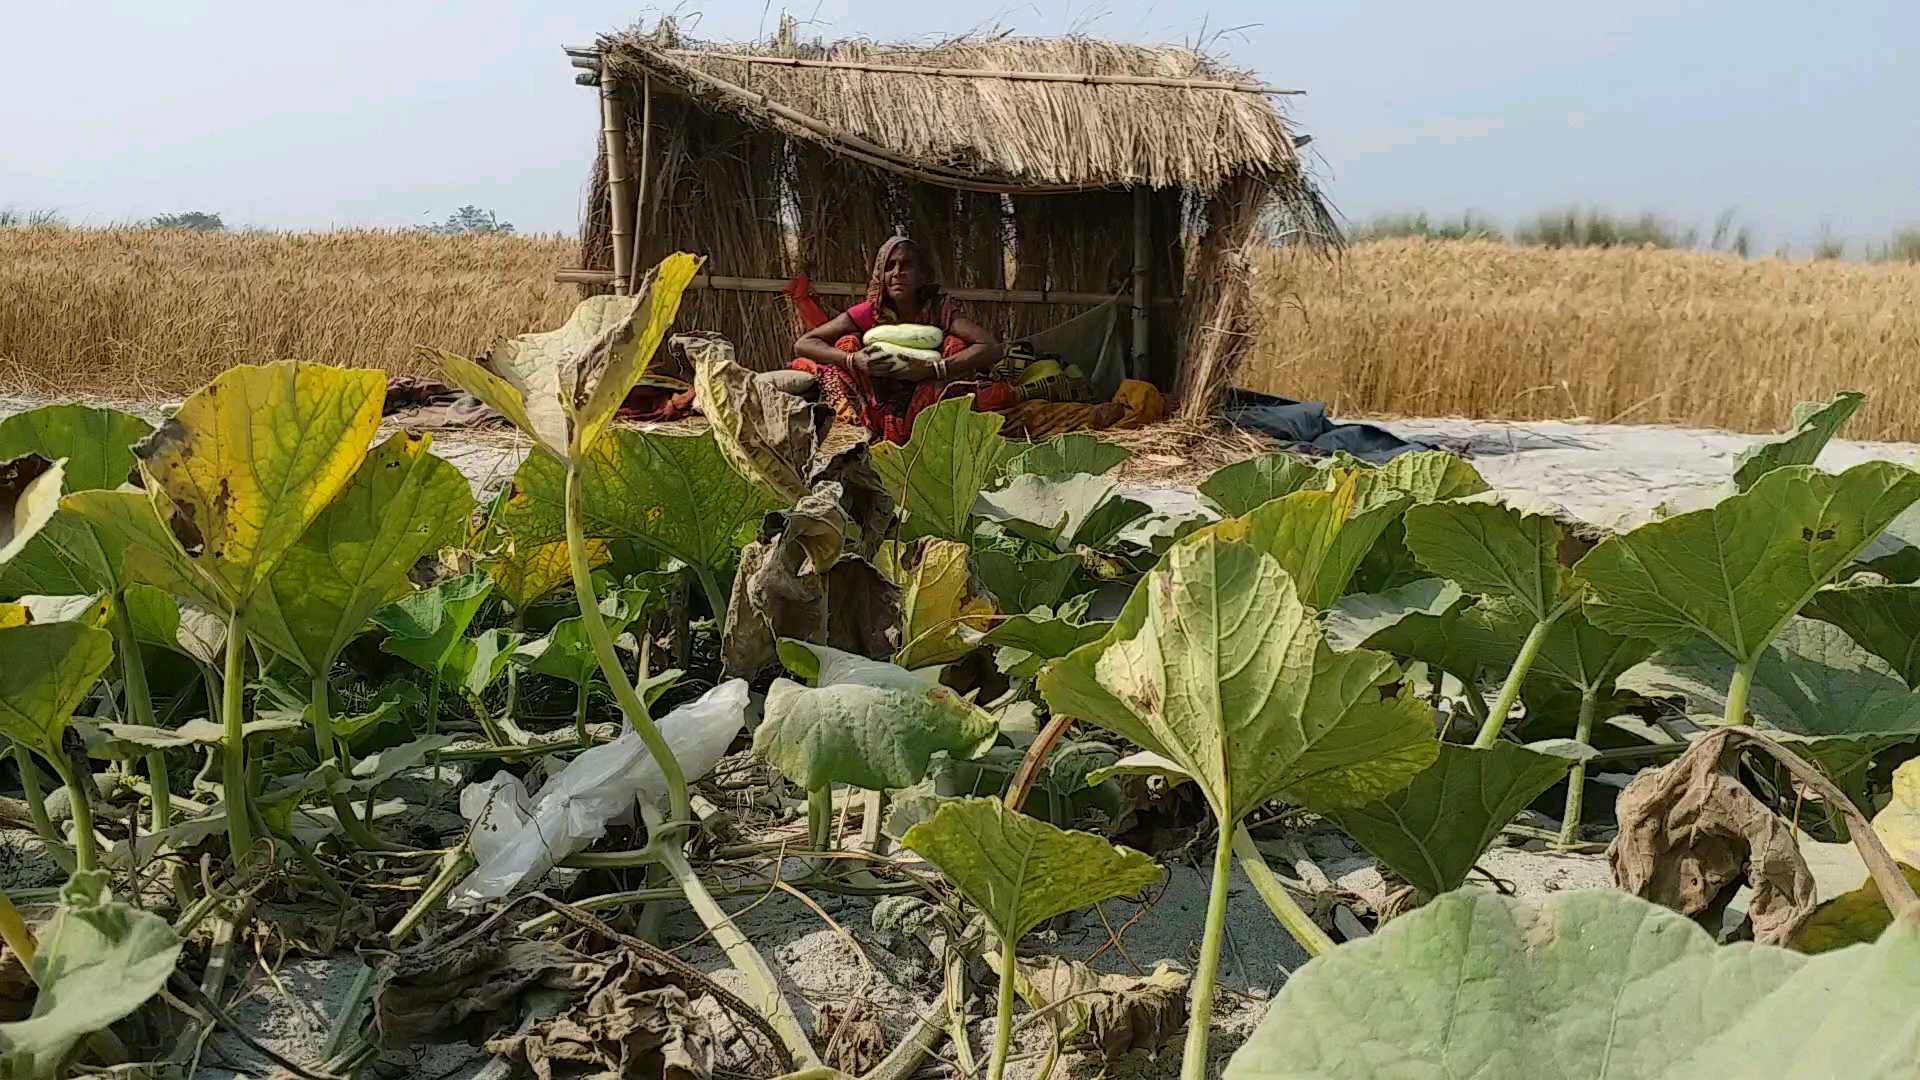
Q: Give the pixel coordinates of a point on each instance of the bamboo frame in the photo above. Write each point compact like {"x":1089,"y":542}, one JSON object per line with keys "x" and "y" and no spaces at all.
{"x":613,"y":137}
{"x":1142,"y":245}
{"x":725,"y":283}
{"x":1163,"y":82}
{"x":640,"y":197}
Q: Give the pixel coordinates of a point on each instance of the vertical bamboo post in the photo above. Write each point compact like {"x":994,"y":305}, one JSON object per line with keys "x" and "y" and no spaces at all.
{"x":642,"y":216}
{"x":613,"y":136}
{"x":1142,"y":242}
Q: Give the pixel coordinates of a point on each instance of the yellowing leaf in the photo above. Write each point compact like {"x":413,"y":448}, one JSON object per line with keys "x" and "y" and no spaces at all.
{"x":402,"y":504}
{"x":1020,"y":871}
{"x":524,"y":572}
{"x":1861,"y":915}
{"x":1317,"y":537}
{"x":939,"y":600}
{"x":562,"y":386}
{"x":1898,"y":823}
{"x":251,"y":459}
{"x":47,"y":670}
{"x":134,"y":546}
{"x":13,"y":615}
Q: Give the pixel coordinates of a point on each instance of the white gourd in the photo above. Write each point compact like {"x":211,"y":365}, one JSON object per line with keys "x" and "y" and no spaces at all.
{"x":910,"y":335}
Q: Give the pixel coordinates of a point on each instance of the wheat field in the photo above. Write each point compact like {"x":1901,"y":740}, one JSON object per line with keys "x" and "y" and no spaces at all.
{"x":1423,"y":327}
{"x":1392,"y":327}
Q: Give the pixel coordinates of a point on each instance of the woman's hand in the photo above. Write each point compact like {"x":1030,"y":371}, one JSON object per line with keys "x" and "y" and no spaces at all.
{"x":881,"y":364}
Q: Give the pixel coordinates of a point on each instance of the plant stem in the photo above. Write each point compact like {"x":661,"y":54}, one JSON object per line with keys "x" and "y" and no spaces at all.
{"x":37,"y":808}
{"x":17,"y":934}
{"x":233,"y":756}
{"x":762,"y":991}
{"x":1003,"y":1028}
{"x":316,"y":869}
{"x":1279,"y":901}
{"x":1737,"y":692}
{"x":85,"y":851}
{"x":623,"y":692}
{"x":711,"y":586}
{"x":1510,"y":690}
{"x":133,"y":676}
{"x":1577,"y":776}
{"x":580,"y":717}
{"x":323,"y":737}
{"x":454,"y":865}
{"x":518,"y":628}
{"x":1193,"y":1060}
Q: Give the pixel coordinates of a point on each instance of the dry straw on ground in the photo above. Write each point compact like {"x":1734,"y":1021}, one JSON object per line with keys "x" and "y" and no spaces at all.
{"x":1397,"y":327}
{"x":1484,"y":329}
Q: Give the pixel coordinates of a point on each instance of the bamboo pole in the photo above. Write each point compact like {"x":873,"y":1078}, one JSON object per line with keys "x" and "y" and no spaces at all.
{"x":1004,"y":75}
{"x":1142,"y":243}
{"x":613,"y":136}
{"x":724,"y":283}
{"x":640,"y":197}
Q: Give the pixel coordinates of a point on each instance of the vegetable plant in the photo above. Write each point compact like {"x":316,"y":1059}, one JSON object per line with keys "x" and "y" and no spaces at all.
{"x":1217,"y":665}
{"x":1020,"y":872}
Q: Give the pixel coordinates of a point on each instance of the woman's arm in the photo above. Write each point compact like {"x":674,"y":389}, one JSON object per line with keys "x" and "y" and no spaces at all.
{"x":817,"y":344}
{"x":983,"y":350}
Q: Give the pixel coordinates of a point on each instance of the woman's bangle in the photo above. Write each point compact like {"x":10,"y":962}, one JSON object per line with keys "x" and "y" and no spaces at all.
{"x":940,"y":367}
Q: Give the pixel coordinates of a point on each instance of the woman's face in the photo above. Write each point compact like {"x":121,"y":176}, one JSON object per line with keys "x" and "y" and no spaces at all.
{"x":901,"y":275}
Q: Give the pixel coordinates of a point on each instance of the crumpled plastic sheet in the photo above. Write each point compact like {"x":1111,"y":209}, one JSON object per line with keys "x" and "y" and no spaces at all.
{"x":517,"y":840}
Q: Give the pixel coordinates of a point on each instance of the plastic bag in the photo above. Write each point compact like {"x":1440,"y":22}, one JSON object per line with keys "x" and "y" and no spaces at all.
{"x":576,"y":806}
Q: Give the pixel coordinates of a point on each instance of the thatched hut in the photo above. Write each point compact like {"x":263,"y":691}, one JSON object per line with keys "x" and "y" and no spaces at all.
{"x":1046,"y":178}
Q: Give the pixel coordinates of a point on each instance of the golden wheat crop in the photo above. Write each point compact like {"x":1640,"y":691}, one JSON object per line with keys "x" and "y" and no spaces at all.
{"x":1396,"y":327}
{"x":130,"y":313}
{"x":1485,"y":329}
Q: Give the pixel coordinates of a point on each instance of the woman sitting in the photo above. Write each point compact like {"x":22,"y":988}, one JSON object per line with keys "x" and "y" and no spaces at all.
{"x":884,"y":390}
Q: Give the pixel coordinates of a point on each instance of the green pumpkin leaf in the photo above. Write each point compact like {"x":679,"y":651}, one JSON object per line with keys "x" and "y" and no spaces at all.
{"x":940,"y":600}
{"x":1364,"y":619}
{"x":1734,"y":573}
{"x":1020,"y":871}
{"x":954,"y":454}
{"x":1061,"y":512}
{"x":1882,"y":619}
{"x":159,"y":619}
{"x":1490,"y":549}
{"x":251,"y":459}
{"x":566,"y":652}
{"x":525,"y":572}
{"x":1814,"y":425}
{"x":96,"y":443}
{"x":1061,"y":455}
{"x":1433,"y":831}
{"x":675,"y":494}
{"x":425,"y":628}
{"x":1318,"y":537}
{"x":1856,"y":917}
{"x":126,"y":542}
{"x":1588,"y":982}
{"x":1028,"y":641}
{"x":1811,"y":680}
{"x":29,"y":495}
{"x":1244,"y":486}
{"x":1024,"y":584}
{"x":48,"y":669}
{"x":1216,"y":664}
{"x":98,"y":961}
{"x":870,"y":724}
{"x":403,"y":504}
{"x":561,"y":387}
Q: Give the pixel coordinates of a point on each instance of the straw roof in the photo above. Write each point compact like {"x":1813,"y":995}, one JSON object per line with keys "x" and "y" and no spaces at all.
{"x":1025,"y":135}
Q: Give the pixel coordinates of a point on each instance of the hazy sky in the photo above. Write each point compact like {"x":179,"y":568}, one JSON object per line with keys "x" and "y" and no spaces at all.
{"x":1800,"y":117}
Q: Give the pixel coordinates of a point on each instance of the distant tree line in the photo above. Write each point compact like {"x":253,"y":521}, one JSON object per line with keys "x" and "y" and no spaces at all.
{"x":468,"y":219}
{"x":1574,"y":227}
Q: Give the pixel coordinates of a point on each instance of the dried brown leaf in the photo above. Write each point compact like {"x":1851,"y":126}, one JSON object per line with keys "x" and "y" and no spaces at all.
{"x":1691,"y":834}
{"x":635,"y":1021}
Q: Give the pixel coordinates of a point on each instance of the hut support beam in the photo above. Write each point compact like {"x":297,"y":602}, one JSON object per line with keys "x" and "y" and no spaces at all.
{"x":642,"y":217}
{"x":613,"y":138}
{"x":725,"y":283}
{"x":1142,"y":263}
